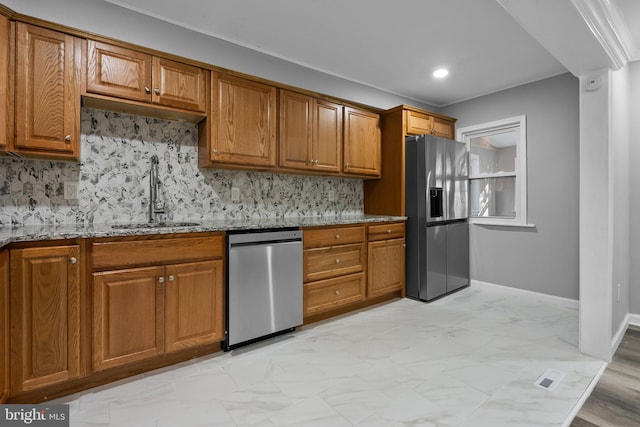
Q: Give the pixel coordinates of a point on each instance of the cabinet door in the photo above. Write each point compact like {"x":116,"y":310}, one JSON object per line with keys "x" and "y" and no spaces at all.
{"x":4,"y":325}
{"x":179,"y":85}
{"x":6,"y":86}
{"x":443,"y":127}
{"x":418,"y":124}
{"x":296,"y":130}
{"x":361,"y":154}
{"x":326,"y":148}
{"x":244,"y":122}
{"x":45,"y":316}
{"x":128,"y":316}
{"x":194,"y":313}
{"x":47,"y":92}
{"x":386,"y":265}
{"x":119,"y":72}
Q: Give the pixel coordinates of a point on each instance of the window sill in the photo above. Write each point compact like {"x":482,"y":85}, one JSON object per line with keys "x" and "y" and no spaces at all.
{"x":500,"y":224}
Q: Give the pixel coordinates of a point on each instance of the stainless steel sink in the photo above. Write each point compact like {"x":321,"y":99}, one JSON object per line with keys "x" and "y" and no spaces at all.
{"x":154,"y":225}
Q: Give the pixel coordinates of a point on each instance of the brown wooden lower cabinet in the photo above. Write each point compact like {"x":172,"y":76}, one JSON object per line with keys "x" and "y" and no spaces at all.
{"x":194,"y":304}
{"x":4,"y":325}
{"x":140,"y":313}
{"x":386,"y":266}
{"x":45,"y":316}
{"x":128,"y":316}
{"x":329,"y":294}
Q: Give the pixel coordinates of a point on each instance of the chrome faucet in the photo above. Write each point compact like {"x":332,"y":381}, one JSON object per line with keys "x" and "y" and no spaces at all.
{"x":156,"y":205}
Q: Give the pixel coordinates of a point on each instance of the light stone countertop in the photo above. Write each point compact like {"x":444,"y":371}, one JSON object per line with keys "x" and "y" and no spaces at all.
{"x":58,"y":232}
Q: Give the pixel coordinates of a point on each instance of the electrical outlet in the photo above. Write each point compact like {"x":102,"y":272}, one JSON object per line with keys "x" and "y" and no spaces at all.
{"x":235,"y":194}
{"x":332,"y":196}
{"x":70,"y":190}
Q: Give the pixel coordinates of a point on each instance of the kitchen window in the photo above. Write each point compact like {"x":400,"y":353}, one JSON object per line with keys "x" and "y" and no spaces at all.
{"x":497,"y":171}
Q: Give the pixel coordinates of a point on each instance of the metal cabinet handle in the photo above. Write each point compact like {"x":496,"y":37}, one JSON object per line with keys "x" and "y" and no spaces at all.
{"x":337,"y":236}
{"x":337,"y":260}
{"x":73,"y":260}
{"x":147,"y":90}
{"x":67,"y":139}
{"x":160,"y":279}
{"x":157,"y":91}
{"x":348,"y":165}
{"x":315,"y":162}
{"x":388,"y":231}
{"x":337,"y":292}
{"x":171,"y":278}
{"x":215,"y":151}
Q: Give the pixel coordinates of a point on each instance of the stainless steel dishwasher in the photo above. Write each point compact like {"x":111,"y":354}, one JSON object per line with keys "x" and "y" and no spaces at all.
{"x":264,"y":285}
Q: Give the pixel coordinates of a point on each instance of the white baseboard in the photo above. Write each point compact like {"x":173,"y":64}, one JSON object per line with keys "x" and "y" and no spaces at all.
{"x":565,"y":302}
{"x":634,"y":319}
{"x":617,"y":338}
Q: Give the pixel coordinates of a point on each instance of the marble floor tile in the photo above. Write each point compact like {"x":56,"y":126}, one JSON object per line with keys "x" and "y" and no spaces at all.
{"x":469,"y":359}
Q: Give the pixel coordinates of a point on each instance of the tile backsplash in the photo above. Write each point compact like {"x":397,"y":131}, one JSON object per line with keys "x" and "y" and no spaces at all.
{"x":113,"y":180}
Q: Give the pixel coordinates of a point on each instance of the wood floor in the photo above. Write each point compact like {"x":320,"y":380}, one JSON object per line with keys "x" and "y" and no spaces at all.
{"x":615,"y":401}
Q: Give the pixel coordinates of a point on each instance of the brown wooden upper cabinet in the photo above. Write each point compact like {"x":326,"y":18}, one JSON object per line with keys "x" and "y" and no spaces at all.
{"x":362,"y":143}
{"x":6,"y":84}
{"x":124,"y":73}
{"x":241,"y":130}
{"x":47,"y":92}
{"x":310,"y":133}
{"x":420,"y":123}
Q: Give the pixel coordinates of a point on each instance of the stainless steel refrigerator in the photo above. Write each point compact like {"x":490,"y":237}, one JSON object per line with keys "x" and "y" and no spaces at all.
{"x":437,"y":209}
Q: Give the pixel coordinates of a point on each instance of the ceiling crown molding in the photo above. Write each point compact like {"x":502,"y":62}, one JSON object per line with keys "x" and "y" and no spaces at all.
{"x":607,"y":25}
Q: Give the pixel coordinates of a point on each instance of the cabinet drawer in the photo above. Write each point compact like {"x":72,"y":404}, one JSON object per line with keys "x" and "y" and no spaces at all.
{"x":386,"y":231}
{"x":128,"y":253}
{"x":333,"y":236}
{"x":322,"y":263}
{"x":328,"y":294}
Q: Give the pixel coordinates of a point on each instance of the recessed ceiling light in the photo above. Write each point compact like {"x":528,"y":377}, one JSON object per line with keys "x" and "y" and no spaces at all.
{"x":440,"y":73}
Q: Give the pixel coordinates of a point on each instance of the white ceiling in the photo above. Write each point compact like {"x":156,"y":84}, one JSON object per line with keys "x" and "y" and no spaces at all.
{"x":392,"y":45}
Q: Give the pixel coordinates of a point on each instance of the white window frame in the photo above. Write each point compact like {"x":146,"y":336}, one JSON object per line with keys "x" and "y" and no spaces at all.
{"x":518,"y":123}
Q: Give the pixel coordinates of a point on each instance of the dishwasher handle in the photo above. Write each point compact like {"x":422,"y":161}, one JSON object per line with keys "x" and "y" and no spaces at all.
{"x":264,"y":237}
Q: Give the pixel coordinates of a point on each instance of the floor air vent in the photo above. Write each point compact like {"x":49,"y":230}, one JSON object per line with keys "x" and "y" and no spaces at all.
{"x":549,"y":380}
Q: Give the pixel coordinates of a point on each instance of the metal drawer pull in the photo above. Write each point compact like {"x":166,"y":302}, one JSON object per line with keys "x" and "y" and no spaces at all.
{"x":160,"y":279}
{"x":337,"y":292}
{"x":171,"y":278}
{"x":73,"y":260}
{"x":337,"y":260}
{"x":389,"y":231}
{"x":337,"y":236}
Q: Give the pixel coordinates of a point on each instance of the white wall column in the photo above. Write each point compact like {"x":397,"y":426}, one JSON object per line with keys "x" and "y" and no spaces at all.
{"x":596,"y":217}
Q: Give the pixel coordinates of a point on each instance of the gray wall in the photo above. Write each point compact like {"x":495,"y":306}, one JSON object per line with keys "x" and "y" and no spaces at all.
{"x":634,"y":227}
{"x":545,"y":258}
{"x":106,"y":19}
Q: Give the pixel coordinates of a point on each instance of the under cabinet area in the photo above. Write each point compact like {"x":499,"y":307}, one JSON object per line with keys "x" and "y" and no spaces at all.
{"x":174,"y":296}
{"x":124,"y":73}
{"x":45,"y":342}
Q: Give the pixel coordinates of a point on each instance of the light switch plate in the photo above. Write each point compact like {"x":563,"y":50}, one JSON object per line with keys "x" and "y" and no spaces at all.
{"x":70,"y":190}
{"x":235,"y":194}
{"x":332,"y":196}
